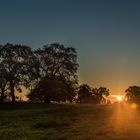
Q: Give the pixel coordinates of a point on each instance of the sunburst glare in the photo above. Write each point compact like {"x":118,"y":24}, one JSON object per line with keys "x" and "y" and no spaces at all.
{"x":119,"y":98}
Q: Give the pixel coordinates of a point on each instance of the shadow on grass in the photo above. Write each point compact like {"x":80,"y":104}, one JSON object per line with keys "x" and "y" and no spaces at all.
{"x":50,"y":124}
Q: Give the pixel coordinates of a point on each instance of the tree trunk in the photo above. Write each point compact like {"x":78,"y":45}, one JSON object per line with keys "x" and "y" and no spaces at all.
{"x":2,"y":96}
{"x":80,"y":101}
{"x":13,"y":96}
{"x":47,"y":100}
{"x":12,"y":92}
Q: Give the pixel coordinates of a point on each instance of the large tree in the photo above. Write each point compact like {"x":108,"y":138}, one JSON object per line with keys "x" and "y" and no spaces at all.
{"x":3,"y":80}
{"x":56,"y":62}
{"x":51,"y":89}
{"x":133,"y":94}
{"x":14,"y":60}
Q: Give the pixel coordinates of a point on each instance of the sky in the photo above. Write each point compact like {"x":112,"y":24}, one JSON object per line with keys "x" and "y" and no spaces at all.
{"x":106,"y":34}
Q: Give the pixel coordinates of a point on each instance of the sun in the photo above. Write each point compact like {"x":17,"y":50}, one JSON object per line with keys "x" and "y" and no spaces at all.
{"x":119,"y":98}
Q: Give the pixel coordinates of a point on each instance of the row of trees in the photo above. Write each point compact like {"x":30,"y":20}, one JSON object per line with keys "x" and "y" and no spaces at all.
{"x":45,"y":71}
{"x":50,"y":74}
{"x":86,"y":94}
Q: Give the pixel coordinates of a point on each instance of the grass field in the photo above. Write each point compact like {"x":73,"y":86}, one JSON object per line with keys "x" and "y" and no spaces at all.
{"x":69,"y":122}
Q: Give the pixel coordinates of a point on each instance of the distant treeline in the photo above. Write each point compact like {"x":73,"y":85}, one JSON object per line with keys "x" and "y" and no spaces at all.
{"x":50,"y":74}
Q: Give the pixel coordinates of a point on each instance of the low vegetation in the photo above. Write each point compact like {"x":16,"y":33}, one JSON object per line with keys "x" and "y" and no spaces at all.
{"x":69,"y":122}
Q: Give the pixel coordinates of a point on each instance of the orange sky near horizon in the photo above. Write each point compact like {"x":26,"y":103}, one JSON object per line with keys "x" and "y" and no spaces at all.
{"x":115,"y":87}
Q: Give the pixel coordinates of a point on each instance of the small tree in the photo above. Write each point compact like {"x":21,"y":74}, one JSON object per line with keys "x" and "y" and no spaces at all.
{"x":87,"y":94}
{"x":101,"y":94}
{"x":84,"y":93}
{"x":133,"y":94}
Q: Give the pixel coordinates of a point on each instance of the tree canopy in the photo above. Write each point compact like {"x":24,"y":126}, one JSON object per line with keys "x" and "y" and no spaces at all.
{"x":87,"y":94}
{"x":133,"y":94}
{"x":58,"y":73}
{"x":49,"y":72}
{"x":13,"y":60}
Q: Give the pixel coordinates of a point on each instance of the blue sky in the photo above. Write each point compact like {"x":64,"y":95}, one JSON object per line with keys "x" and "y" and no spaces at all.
{"x":106,"y":34}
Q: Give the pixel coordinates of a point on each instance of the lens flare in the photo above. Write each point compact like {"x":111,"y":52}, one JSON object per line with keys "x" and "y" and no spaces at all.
{"x":133,"y":105}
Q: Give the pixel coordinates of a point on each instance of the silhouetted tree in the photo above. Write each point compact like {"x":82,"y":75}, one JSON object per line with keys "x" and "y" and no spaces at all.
{"x":87,"y":94}
{"x":101,"y":94}
{"x":133,"y":94}
{"x":3,"y":80}
{"x":56,"y":62}
{"x":13,"y":58}
{"x":84,"y":93}
{"x":52,"y":90}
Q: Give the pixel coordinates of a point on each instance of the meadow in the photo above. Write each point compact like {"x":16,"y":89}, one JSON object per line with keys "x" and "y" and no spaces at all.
{"x":69,"y":122}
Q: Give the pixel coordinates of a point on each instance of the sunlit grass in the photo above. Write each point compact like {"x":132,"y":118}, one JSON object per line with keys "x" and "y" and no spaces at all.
{"x":70,"y":122}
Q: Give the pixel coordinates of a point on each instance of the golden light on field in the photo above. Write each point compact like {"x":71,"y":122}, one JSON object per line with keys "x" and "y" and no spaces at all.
{"x":119,"y":98}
